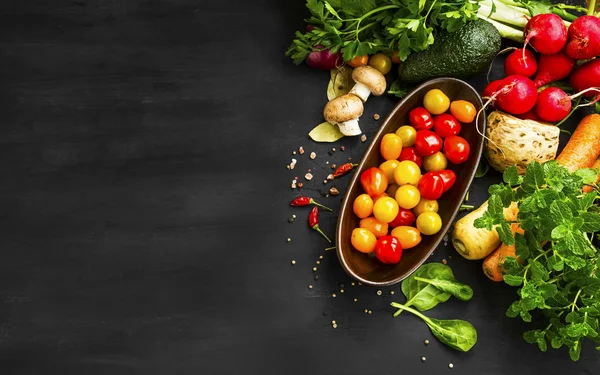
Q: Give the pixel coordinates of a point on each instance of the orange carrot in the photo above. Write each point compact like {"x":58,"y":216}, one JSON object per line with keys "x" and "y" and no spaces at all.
{"x":493,"y":265}
{"x":583,"y":147}
{"x":596,"y":165}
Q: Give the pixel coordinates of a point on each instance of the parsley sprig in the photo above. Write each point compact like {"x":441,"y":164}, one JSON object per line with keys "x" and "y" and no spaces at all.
{"x":558,"y":273}
{"x":361,"y":27}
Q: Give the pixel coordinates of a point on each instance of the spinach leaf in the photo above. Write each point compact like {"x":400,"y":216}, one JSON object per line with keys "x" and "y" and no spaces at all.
{"x":457,"y":289}
{"x":457,"y":334}
{"x":423,"y":295}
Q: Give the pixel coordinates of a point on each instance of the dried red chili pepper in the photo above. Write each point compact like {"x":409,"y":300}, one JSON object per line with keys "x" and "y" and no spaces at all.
{"x":313,"y":221}
{"x":343,"y":169}
{"x":305,"y":201}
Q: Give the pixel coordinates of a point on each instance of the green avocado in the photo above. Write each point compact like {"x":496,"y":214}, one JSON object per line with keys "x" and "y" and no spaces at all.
{"x":462,"y":53}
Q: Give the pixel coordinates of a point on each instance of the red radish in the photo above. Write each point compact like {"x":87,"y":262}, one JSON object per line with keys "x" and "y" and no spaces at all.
{"x":489,"y":90}
{"x":553,"y":104}
{"x":516,"y":94}
{"x":520,"y":62}
{"x":530,"y":115}
{"x":586,"y":76}
{"x":553,"y":68}
{"x":584,"y":38}
{"x":546,"y":33}
{"x":323,"y":59}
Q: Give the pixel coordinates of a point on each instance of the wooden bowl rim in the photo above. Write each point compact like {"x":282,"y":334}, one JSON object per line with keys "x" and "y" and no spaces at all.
{"x":345,"y":207}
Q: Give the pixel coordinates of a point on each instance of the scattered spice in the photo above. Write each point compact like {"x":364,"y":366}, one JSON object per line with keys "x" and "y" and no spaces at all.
{"x":293,"y":152}
{"x":450,"y":365}
{"x":293,"y":262}
{"x":317,"y":262}
{"x":379,"y":292}
{"x":341,"y":290}
{"x":313,"y":155}
{"x":333,"y":149}
{"x":333,"y":295}
{"x":343,"y":148}
{"x":426,"y":342}
{"x":310,"y":286}
{"x":334,"y":326}
{"x":320,"y":256}
{"x":330,"y":176}
{"x":316,"y":277}
{"x":289,"y":240}
{"x":293,"y":185}
{"x":290,"y":220}
{"x":376,"y":116}
{"x":334,"y":191}
{"x":392,"y":292}
{"x":353,"y":283}
{"x":324,"y":182}
{"x":356,"y":300}
{"x":423,"y":359}
{"x":313,"y":221}
{"x":293,"y":164}
{"x":314,"y":269}
{"x":308,"y":176}
{"x":300,"y":184}
{"x":366,"y":311}
{"x":363,"y":138}
{"x":333,"y":166}
{"x":444,"y":261}
{"x":293,"y":216}
{"x":301,"y":150}
{"x":369,"y":312}
{"x":305,"y":201}
{"x":333,"y":322}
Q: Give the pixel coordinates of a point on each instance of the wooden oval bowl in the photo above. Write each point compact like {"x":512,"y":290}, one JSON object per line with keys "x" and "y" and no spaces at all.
{"x":366,"y":268}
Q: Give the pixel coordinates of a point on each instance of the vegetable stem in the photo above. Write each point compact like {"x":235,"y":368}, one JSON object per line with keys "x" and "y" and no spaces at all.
{"x":591,"y":8}
{"x":401,"y":307}
{"x":575,"y":300}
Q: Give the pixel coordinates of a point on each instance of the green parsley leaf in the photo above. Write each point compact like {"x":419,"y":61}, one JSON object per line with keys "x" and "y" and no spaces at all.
{"x":534,"y":177}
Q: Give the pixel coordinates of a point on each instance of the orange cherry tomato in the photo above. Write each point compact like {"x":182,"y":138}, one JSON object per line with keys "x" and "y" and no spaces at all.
{"x":374,"y":226}
{"x":374,"y":181}
{"x":363,"y":206}
{"x":363,"y":240}
{"x":463,"y":110}
{"x":392,"y":189}
{"x":426,"y":205}
{"x":408,"y":236}
{"x":358,"y":61}
{"x":391,"y":146}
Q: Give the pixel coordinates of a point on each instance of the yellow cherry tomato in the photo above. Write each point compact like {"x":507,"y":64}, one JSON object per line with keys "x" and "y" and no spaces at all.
{"x":408,"y":196}
{"x":381,"y":62}
{"x":408,"y":134}
{"x":429,"y":223}
{"x":358,"y":61}
{"x":374,"y":226}
{"x":426,"y":205}
{"x":463,"y":110}
{"x":407,"y":172}
{"x":388,"y":168}
{"x":436,"y":162}
{"x":363,"y":206}
{"x":386,"y":209}
{"x":408,"y":236}
{"x":436,"y":102}
{"x":391,"y":146}
{"x":363,"y":240}
{"x":392,"y":189}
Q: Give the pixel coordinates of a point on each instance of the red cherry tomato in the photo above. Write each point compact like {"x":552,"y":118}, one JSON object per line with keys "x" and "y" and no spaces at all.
{"x":409,"y":153}
{"x":427,"y":143}
{"x":388,"y":249}
{"x":420,"y":118}
{"x":449,"y":178}
{"x":374,"y":181}
{"x":404,"y":218}
{"x":446,"y":125}
{"x":431,"y":186}
{"x":456,"y":149}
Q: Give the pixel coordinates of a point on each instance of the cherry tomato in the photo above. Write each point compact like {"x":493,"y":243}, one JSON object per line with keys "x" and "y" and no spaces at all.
{"x":404,"y":217}
{"x":373,"y":181}
{"x":363,"y":240}
{"x":420,"y":119}
{"x":436,"y":102}
{"x":436,"y":162}
{"x":391,"y":190}
{"x":431,"y":186}
{"x":446,"y":125}
{"x":358,"y":61}
{"x":381,"y":62}
{"x":385,"y":209}
{"x":427,"y":143}
{"x":410,"y":153}
{"x":391,"y":146}
{"x":377,"y":197}
{"x":426,"y":205}
{"x":449,"y":178}
{"x":429,"y":223}
{"x":456,"y":149}
{"x":408,"y":236}
{"x":363,"y":206}
{"x":396,"y":58}
{"x":407,"y":133}
{"x":407,"y":172}
{"x":388,"y":250}
{"x":463,"y":110}
{"x":408,"y":196}
{"x":388,"y":167}
{"x":374,"y":226}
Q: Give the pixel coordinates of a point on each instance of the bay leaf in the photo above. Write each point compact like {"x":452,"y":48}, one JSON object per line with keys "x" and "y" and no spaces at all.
{"x":325,"y":132}
{"x":340,"y":82}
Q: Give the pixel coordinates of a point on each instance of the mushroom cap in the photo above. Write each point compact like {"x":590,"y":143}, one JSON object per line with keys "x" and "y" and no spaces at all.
{"x":343,"y":108}
{"x":370,"y":77}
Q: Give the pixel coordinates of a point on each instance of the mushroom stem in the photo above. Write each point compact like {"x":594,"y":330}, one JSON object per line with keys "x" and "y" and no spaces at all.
{"x":350,"y":127}
{"x":361,"y":90}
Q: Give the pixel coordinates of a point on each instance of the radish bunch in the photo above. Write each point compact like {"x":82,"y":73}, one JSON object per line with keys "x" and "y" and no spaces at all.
{"x":520,"y":93}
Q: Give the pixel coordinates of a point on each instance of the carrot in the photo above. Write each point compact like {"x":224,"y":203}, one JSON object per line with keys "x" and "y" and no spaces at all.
{"x":493,"y":265}
{"x":584,"y":146}
{"x":596,"y":165}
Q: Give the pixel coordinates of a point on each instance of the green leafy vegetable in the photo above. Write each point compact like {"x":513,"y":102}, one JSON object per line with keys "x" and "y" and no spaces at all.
{"x":559,"y":276}
{"x":421,"y":294}
{"x":457,"y":334}
{"x":457,"y":289}
{"x":482,"y":169}
{"x":325,"y":132}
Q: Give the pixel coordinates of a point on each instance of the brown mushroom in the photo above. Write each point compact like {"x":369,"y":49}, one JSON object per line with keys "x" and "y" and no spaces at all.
{"x":368,"y":81}
{"x":345,"y":111}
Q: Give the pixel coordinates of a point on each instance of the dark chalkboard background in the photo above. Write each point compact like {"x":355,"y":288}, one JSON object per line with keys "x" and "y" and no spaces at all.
{"x":144,"y":205}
